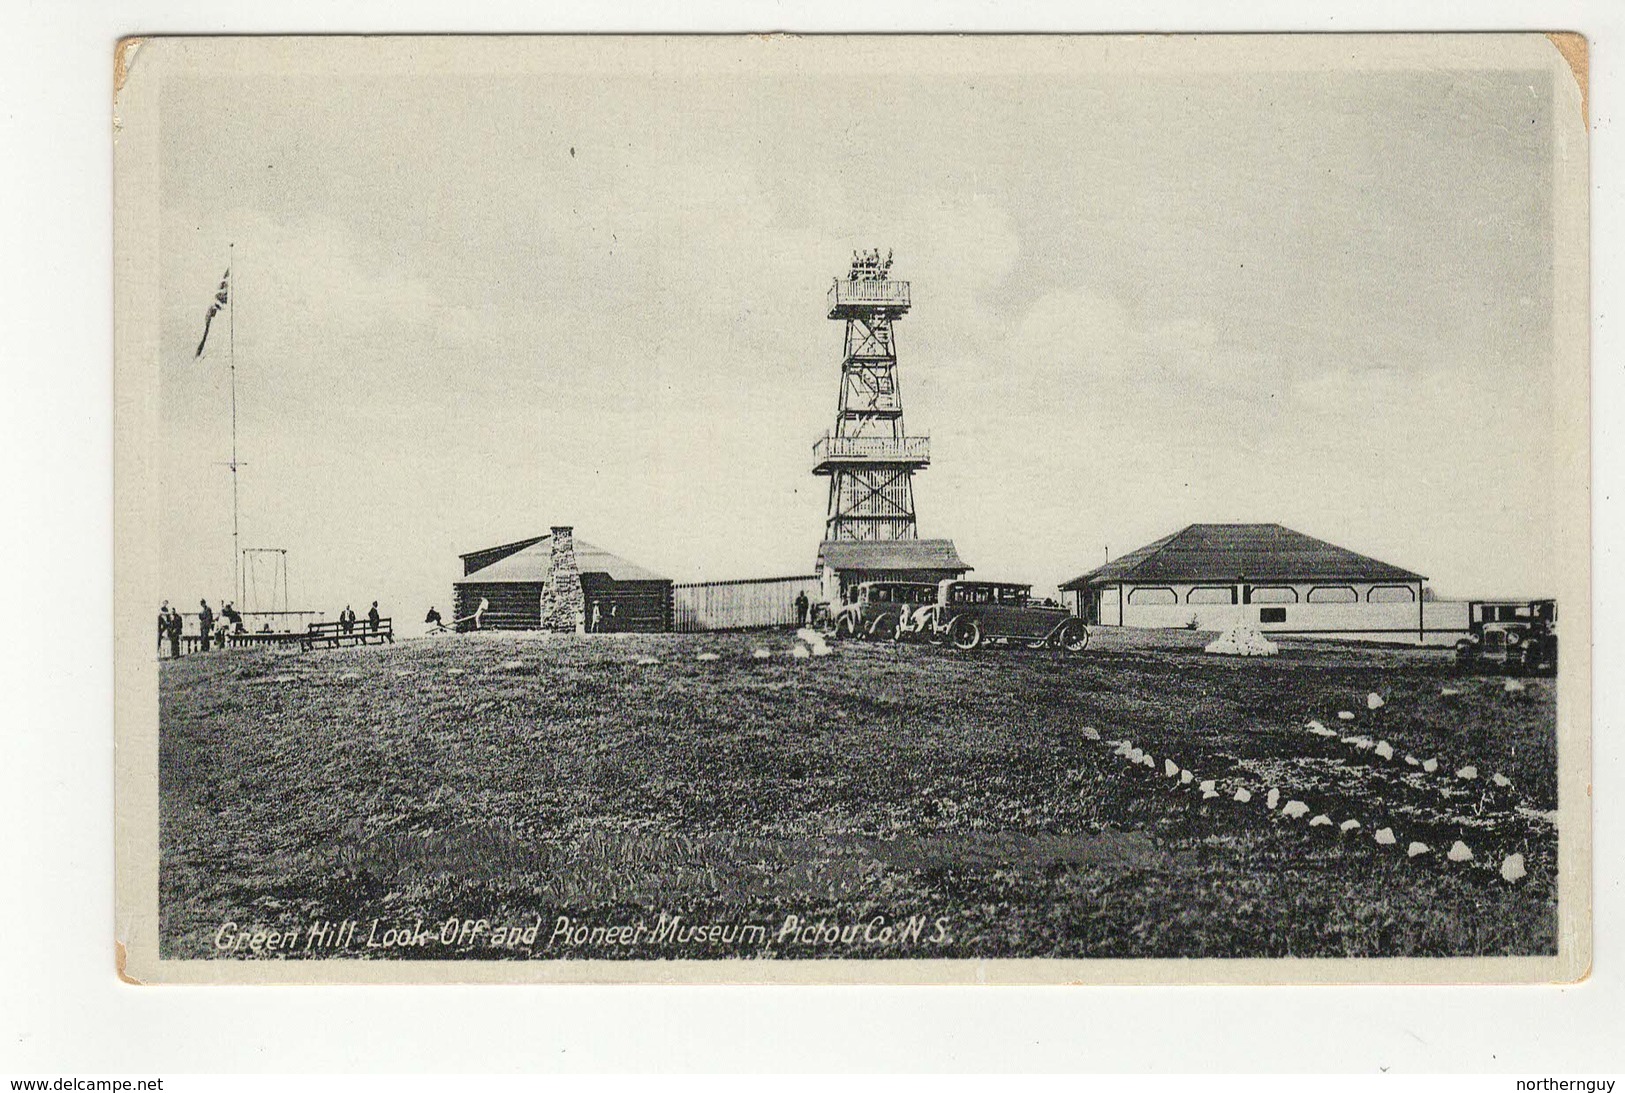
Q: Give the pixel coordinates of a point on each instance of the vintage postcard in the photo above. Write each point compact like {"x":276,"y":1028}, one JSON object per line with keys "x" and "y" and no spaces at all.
{"x":853,"y":509}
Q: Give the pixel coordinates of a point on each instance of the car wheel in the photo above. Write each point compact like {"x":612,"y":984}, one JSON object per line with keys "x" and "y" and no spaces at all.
{"x":966,"y":633}
{"x":844,"y":627}
{"x":1073,"y":636}
{"x":885,"y":630}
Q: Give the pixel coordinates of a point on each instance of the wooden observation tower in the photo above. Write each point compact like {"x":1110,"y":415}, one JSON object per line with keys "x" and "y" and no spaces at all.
{"x":870,"y":459}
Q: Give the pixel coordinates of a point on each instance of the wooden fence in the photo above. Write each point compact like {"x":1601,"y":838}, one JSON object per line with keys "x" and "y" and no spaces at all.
{"x":739,"y":605}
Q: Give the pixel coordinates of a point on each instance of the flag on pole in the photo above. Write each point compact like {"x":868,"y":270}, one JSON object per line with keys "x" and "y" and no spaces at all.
{"x":221,"y":298}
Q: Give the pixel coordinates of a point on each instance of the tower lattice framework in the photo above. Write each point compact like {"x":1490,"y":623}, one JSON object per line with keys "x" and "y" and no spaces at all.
{"x":869,"y":457}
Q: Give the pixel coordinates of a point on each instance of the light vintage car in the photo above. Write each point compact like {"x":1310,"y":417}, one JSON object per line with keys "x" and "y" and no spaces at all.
{"x":881,"y":609}
{"x":970,"y":613}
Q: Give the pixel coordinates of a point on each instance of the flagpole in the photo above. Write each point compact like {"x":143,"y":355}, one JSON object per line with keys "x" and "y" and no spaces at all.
{"x":231,"y":301}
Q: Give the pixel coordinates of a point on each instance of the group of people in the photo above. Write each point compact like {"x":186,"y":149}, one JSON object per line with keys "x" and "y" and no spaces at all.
{"x":869,"y":266}
{"x":602,"y":620}
{"x":347,"y":618}
{"x":214,"y":632}
{"x":211,"y":634}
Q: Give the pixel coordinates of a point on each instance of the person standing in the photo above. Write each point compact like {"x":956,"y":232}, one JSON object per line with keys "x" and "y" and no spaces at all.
{"x":173,"y":625}
{"x":433,"y":619}
{"x":597,"y":618}
{"x":163,"y":626}
{"x":205,"y":624}
{"x":372,"y":617}
{"x":346,"y":619}
{"x":802,"y":604}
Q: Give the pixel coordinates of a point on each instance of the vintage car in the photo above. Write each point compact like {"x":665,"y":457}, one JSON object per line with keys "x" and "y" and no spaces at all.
{"x":881,"y":609}
{"x":970,"y":613}
{"x":1518,"y":637}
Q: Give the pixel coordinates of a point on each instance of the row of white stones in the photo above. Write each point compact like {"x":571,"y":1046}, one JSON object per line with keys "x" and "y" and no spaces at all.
{"x":1512,"y":866}
{"x":1384,"y":750}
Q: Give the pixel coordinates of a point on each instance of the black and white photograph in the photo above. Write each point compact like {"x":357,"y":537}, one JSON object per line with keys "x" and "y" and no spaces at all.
{"x":852,"y":509}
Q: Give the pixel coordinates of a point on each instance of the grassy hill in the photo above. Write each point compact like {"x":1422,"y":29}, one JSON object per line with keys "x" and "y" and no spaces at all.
{"x":954,"y":799}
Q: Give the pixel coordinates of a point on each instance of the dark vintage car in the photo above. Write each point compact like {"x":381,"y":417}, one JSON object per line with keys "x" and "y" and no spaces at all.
{"x":881,"y":609}
{"x":1516,"y":637}
{"x":971,"y":613}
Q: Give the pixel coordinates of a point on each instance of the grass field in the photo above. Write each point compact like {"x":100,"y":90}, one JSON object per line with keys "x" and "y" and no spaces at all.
{"x":884,"y":801}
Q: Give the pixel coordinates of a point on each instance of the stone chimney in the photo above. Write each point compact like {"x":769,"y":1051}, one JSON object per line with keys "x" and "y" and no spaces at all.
{"x":564,"y":606}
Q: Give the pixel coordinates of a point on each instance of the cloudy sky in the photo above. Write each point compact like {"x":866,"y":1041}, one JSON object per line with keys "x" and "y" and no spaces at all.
{"x":473,"y":302}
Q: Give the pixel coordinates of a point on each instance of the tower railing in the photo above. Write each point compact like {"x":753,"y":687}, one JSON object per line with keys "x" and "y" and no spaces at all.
{"x":848,"y":296}
{"x":828,"y":450}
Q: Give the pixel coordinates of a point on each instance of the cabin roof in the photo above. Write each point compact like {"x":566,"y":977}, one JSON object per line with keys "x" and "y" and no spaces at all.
{"x":530,"y":563}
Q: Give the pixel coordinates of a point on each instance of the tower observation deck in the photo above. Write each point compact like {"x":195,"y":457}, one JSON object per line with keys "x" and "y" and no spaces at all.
{"x":869,"y":457}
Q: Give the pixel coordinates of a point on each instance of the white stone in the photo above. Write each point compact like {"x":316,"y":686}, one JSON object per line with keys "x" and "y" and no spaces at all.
{"x":1430,"y":765}
{"x":1385,"y":836}
{"x":1373,"y":701}
{"x":1209,"y":794}
{"x":1501,"y":780}
{"x":1417,"y":849}
{"x":761,"y":654}
{"x":648,"y":660}
{"x":1135,"y":755}
{"x":1273,"y":799}
{"x":821,"y":651}
{"x":1207,"y":785}
{"x":455,"y":671}
{"x":1294,"y":809}
{"x":1513,"y":685}
{"x":1315,"y":726}
{"x":1459,"y":852}
{"x":1385,"y":749}
{"x":1349,"y":825}
{"x":1468,"y":773}
{"x":1344,"y":715}
{"x":1243,"y":640}
{"x":1150,"y":763}
{"x":1322,"y":820}
{"x":1170,"y":768}
{"x":800,"y":652}
{"x":1090,"y":733}
{"x":1512,"y":869}
{"x":349,"y":677}
{"x":708,"y":656}
{"x":1412,"y":760}
{"x":1186,"y":777}
{"x":1448,"y":691}
{"x":1243,"y":796}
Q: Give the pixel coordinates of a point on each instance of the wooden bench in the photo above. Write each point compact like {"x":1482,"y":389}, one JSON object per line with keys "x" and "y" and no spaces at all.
{"x":332,"y":634}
